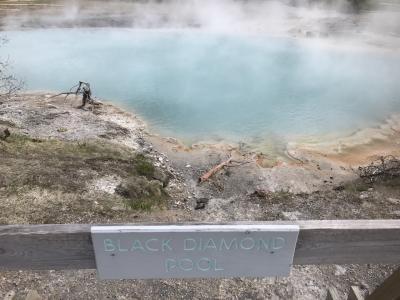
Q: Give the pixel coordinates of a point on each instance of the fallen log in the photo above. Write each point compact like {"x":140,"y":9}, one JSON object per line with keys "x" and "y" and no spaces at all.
{"x":214,"y":170}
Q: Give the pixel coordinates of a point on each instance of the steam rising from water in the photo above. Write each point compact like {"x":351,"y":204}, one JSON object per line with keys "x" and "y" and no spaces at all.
{"x":201,"y":69}
{"x":294,"y":17}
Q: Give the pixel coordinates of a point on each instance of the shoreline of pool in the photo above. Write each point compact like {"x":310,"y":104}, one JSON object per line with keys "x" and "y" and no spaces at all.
{"x":303,"y":168}
{"x":357,"y":148}
{"x":360,"y":147}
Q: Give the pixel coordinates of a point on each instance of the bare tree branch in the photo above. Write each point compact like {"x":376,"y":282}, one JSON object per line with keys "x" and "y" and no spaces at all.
{"x":9,"y":84}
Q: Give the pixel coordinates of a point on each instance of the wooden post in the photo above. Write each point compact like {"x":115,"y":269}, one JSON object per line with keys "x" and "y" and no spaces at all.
{"x":389,"y":289}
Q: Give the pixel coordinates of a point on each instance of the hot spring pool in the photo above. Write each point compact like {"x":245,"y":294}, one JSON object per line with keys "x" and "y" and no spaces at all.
{"x":207,"y":86}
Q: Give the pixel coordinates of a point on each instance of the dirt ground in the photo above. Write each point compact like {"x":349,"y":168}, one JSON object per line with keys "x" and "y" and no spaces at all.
{"x":62,"y":164}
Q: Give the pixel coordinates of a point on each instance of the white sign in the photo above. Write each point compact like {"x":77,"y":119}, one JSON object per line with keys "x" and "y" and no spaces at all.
{"x":194,"y":251}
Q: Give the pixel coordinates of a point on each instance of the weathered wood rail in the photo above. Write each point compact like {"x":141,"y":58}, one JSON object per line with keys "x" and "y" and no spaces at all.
{"x":320,"y":242}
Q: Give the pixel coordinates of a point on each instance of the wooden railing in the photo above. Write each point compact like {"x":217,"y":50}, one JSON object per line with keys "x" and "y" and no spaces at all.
{"x":319,"y":242}
{"x":38,"y":247}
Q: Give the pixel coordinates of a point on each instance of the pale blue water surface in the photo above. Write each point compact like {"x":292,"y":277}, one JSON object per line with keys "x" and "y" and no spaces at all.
{"x":205,"y":86}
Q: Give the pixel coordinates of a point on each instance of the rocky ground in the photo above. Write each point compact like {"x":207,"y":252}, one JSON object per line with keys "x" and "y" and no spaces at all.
{"x":62,"y":164}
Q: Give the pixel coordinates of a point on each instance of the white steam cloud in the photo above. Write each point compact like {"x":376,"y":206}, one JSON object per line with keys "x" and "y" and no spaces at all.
{"x":311,"y":18}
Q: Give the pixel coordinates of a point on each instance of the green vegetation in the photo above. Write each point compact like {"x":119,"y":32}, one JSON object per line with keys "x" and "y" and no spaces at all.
{"x":144,"y":167}
{"x":63,"y":175}
{"x":24,"y":146}
{"x":60,"y":165}
{"x":142,"y":194}
{"x":282,"y":196}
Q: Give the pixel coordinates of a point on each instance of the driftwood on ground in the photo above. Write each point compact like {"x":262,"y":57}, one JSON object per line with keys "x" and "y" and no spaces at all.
{"x":78,"y":90}
{"x":230,"y":162}
{"x":214,"y":170}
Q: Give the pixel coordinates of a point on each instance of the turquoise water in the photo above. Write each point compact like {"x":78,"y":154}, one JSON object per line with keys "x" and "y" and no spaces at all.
{"x":204,"y":86}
